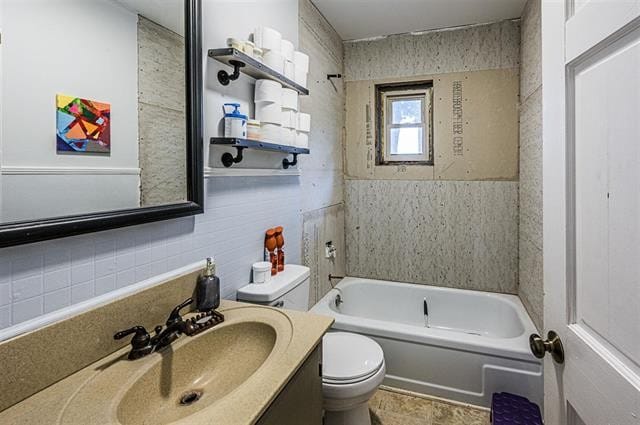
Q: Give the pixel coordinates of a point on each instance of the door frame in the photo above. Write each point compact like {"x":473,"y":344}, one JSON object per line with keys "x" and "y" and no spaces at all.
{"x":554,"y":205}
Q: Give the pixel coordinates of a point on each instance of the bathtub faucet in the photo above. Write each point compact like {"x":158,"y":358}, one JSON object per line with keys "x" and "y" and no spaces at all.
{"x":425,"y":308}
{"x":338,"y":299}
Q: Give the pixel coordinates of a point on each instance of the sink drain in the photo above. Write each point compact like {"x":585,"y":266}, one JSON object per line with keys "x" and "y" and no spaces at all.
{"x":189,"y":398}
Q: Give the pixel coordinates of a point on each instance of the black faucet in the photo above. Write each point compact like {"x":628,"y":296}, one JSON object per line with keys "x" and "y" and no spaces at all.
{"x":143,"y":344}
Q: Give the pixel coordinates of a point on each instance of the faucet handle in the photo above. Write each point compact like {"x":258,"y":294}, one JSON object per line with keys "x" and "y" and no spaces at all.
{"x":141,"y":338}
{"x":175,"y":317}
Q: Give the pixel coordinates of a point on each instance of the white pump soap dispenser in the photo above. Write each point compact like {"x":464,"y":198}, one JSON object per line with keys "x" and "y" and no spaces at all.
{"x":235,"y":123}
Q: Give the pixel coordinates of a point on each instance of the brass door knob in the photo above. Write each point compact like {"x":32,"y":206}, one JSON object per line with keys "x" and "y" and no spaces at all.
{"x":552,"y":344}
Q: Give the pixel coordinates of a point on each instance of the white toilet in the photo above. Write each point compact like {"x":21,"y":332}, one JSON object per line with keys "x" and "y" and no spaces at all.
{"x":352,"y":365}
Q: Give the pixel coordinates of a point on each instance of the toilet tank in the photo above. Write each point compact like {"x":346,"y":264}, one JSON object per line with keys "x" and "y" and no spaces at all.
{"x":288,"y":289}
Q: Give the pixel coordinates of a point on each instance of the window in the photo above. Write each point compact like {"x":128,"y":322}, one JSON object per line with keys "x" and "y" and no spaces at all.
{"x":404,"y":116}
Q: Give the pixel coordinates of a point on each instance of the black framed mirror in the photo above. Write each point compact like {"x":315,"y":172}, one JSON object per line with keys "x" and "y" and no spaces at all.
{"x":101,"y":116}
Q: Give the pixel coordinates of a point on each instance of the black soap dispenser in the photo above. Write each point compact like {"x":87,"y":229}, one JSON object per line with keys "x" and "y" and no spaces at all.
{"x":208,"y":288}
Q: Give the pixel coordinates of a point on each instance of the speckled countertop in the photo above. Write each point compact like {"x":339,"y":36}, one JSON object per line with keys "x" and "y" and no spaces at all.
{"x":95,"y":393}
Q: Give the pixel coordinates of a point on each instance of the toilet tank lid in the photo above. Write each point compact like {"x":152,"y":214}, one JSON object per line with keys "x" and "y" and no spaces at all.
{"x":292,"y":276}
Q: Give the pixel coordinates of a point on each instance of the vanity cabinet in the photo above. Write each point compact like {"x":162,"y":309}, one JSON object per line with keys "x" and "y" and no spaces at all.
{"x":300,"y":402}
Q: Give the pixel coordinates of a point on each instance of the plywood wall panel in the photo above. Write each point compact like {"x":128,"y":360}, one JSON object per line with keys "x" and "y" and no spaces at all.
{"x":487,"y":149}
{"x":444,"y":233}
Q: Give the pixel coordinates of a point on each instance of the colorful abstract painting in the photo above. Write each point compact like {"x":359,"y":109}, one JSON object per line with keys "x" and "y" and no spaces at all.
{"x":83,"y":125}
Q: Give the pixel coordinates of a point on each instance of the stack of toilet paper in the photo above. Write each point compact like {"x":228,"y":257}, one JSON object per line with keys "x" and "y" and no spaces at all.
{"x":277,"y":110}
{"x":303,"y":127}
{"x":268,"y":102}
{"x":289,"y":116}
{"x":270,"y":41}
{"x":287,"y":49}
{"x":281,"y":56}
{"x":277,"y":53}
{"x":301,"y":68}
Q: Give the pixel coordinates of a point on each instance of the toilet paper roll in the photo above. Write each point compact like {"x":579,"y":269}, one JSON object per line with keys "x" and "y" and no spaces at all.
{"x":289,"y":99}
{"x":248,"y":47}
{"x":287,"y":49}
{"x":271,"y":132}
{"x":302,"y":140}
{"x":288,"y":136}
{"x":304,"y":122}
{"x":235,"y":43}
{"x":289,"y":119}
{"x":301,"y":77}
{"x":267,"y":38}
{"x":274,"y":60}
{"x":268,"y":91}
{"x":289,"y":70}
{"x":269,"y":112}
{"x":301,"y":60}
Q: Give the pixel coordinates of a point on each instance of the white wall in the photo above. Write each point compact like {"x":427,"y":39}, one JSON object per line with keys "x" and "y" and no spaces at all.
{"x":99,"y":62}
{"x":43,"y":277}
{"x":238,"y":19}
{"x":29,"y":195}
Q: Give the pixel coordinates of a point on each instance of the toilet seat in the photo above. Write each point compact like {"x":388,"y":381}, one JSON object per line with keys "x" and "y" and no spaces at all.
{"x":349,"y":358}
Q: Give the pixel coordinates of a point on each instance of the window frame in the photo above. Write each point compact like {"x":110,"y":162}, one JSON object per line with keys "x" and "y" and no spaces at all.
{"x":385,"y":94}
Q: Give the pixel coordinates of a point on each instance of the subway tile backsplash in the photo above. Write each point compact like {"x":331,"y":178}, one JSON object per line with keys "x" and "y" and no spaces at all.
{"x":44,"y":277}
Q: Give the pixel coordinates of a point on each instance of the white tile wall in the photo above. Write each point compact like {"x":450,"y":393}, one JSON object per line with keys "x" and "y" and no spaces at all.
{"x":44,"y":277}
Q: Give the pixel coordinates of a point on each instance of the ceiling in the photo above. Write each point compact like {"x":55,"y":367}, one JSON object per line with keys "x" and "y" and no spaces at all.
{"x":168,"y":13}
{"x":357,"y":19}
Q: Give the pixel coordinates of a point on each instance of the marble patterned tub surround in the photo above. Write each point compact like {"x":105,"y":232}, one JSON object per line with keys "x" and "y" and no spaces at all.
{"x":443,"y":233}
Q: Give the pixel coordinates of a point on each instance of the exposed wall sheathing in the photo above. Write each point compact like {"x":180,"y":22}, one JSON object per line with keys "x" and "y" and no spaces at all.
{"x":454,"y":224}
{"x":475,"y":118}
{"x":161,"y":111}
{"x":322,"y":179}
{"x":530,"y":215}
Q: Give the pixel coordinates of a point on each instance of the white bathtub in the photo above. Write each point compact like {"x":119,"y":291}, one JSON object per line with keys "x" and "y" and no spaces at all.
{"x":476,"y":343}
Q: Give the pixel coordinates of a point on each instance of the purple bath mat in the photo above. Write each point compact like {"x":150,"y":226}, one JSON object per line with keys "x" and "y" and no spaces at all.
{"x":511,"y":409}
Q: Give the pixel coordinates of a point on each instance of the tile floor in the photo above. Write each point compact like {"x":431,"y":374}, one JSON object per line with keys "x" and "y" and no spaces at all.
{"x":388,"y":407}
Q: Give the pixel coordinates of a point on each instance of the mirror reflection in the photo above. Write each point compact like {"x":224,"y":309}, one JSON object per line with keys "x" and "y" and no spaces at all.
{"x":92,"y":105}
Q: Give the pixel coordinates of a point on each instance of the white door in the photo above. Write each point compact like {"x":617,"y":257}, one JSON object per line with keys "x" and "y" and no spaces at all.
{"x":591,"y":181}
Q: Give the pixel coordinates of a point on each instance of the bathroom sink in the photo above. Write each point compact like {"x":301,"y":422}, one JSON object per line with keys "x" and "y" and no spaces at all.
{"x":197,"y":374}
{"x":191,"y":381}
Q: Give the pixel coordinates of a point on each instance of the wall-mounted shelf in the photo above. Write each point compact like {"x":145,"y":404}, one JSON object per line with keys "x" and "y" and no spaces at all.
{"x":240,"y":144}
{"x":243,"y":63}
{"x":210,"y":172}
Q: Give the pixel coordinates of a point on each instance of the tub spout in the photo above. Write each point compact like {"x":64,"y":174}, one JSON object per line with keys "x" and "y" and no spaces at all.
{"x":425,"y":308}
